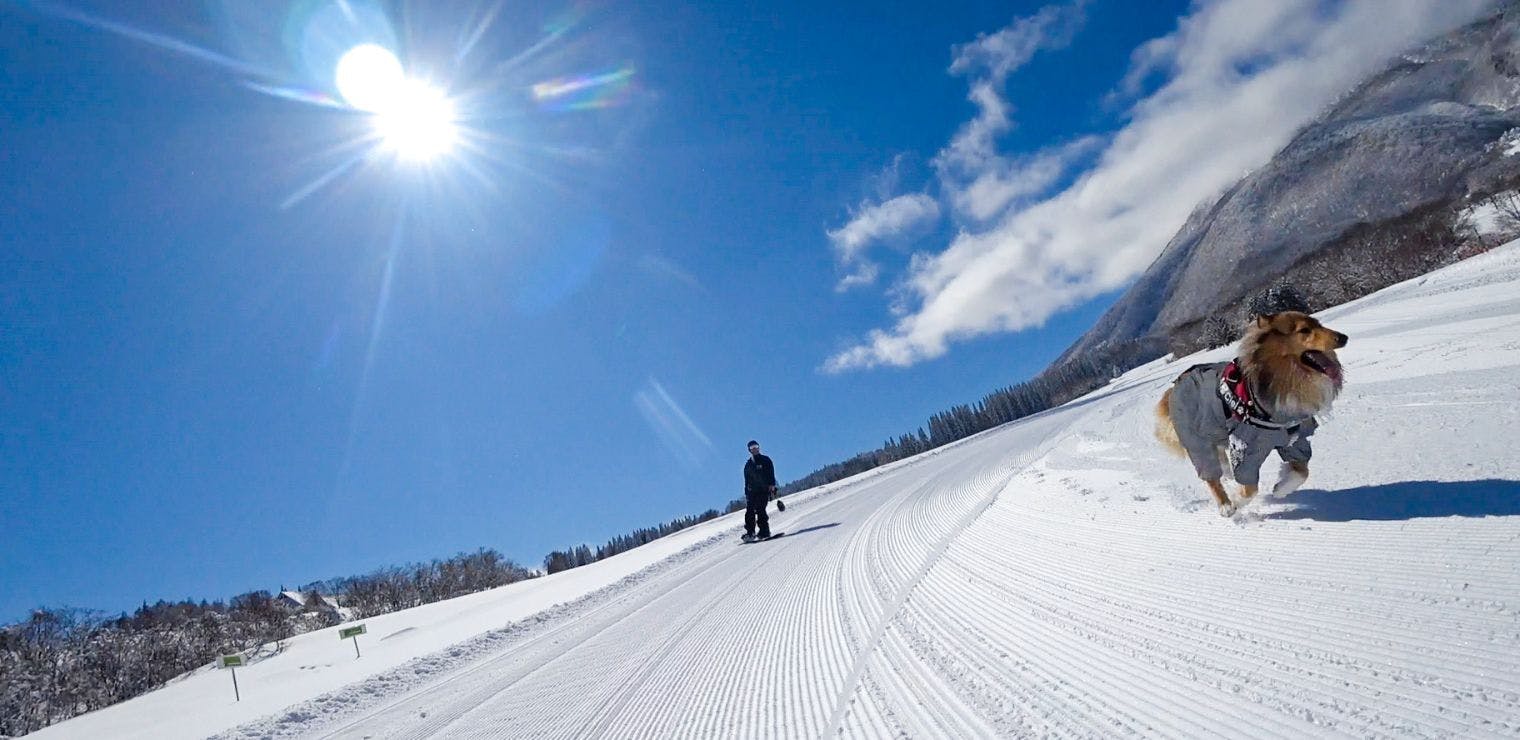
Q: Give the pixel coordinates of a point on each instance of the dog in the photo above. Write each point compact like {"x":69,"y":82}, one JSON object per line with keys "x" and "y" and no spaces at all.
{"x":1230,"y":415}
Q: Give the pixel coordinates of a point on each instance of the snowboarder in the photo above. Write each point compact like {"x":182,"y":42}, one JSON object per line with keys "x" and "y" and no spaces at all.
{"x":759,"y":487}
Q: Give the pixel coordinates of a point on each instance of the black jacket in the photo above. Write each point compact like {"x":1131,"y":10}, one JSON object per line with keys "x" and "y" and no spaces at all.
{"x":759,"y":476}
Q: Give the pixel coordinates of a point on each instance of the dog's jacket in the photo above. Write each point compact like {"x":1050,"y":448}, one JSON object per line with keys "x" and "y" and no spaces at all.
{"x":1204,"y":425}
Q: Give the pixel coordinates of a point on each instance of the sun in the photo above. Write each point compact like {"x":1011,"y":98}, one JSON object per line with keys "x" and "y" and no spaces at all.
{"x":419,"y":125}
{"x":413,"y":119}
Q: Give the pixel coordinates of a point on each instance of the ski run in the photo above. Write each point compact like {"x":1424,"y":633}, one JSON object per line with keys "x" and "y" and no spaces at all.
{"x":1061,"y":575}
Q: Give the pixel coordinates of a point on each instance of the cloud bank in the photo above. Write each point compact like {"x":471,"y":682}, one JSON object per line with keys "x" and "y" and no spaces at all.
{"x":1232,"y":84}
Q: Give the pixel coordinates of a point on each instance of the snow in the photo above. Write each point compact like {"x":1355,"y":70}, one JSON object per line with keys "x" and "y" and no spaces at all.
{"x":1487,"y":218}
{"x":1060,"y":575}
{"x":1511,"y":140}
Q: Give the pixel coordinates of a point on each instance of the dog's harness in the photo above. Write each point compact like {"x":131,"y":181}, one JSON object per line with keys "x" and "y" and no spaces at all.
{"x":1235,"y":393}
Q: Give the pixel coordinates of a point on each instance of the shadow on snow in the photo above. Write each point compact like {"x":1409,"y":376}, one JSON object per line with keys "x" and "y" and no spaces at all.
{"x":1406,"y":500}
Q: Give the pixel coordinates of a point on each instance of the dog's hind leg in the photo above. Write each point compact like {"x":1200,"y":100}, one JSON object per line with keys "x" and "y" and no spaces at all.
{"x":1226,"y":508}
{"x":1294,"y":474}
{"x":1247,"y":492}
{"x":1224,"y":462}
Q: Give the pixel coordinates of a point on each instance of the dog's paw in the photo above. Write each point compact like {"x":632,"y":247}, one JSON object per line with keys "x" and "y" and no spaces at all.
{"x":1227,"y":510}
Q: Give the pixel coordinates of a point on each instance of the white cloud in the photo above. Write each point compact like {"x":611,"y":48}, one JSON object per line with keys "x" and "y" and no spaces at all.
{"x":990,"y":181}
{"x":865,"y":273}
{"x":1002,"y":53}
{"x":1239,"y":78}
{"x":990,"y":60}
{"x":874,"y":223}
{"x":1000,"y":181}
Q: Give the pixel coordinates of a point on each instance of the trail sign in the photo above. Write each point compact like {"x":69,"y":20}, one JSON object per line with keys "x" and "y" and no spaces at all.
{"x":232,"y":662}
{"x":354,"y":632}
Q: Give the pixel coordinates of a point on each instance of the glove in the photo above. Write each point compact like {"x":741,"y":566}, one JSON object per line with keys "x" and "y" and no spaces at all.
{"x":780,"y":506}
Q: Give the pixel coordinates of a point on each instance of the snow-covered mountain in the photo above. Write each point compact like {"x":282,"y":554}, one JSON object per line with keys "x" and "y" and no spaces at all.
{"x":1364,"y":196}
{"x":1060,"y":575}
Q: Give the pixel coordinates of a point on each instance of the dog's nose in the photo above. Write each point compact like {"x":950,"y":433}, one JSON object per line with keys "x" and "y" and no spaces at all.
{"x":1340,"y":340}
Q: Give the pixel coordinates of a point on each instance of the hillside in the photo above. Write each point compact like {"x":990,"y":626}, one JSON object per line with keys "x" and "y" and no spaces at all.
{"x":1058,"y":575}
{"x":1370,"y":193}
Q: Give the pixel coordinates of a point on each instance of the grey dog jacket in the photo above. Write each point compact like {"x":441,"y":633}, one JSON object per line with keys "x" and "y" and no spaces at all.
{"x":1204,"y":425}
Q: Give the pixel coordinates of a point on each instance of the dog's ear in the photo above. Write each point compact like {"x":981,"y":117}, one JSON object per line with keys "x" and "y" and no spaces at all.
{"x":1264,"y":320}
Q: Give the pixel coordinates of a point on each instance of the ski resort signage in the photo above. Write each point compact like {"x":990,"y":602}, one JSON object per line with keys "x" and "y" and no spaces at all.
{"x":232,"y":662}
{"x":354,"y":632}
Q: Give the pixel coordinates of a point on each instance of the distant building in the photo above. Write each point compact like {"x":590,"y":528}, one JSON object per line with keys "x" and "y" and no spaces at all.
{"x":296,"y":602}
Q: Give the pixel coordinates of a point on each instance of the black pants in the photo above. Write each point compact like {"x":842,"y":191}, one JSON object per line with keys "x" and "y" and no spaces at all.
{"x":754,"y":514}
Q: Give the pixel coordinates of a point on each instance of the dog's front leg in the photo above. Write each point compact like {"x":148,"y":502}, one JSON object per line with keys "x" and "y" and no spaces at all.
{"x":1226,"y":508}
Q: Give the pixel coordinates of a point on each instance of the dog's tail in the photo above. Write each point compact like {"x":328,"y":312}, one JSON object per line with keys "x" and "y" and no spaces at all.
{"x":1166,"y":431}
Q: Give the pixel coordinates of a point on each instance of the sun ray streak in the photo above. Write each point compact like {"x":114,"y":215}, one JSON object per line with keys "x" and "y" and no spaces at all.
{"x":486,"y":21}
{"x":376,"y":326}
{"x":507,"y":65}
{"x":158,"y":40}
{"x":480,"y":176}
{"x":383,"y":300}
{"x":675,"y":429}
{"x":322,"y":181}
{"x":296,"y":94}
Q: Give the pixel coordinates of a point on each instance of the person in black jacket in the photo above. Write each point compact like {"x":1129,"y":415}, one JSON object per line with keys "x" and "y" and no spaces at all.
{"x":759,"y":487}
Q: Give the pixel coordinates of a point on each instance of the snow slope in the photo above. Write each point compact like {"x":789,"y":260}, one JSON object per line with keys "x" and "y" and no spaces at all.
{"x":1059,"y":575}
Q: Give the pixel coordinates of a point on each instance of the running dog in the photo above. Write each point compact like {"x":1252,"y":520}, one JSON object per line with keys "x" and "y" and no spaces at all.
{"x":1231,"y":414}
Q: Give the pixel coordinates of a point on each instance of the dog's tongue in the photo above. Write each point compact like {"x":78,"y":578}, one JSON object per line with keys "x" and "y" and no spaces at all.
{"x":1334,"y":371}
{"x":1323,"y":363}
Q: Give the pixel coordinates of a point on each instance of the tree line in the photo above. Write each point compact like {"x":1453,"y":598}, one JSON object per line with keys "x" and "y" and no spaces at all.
{"x":579,"y":555}
{"x":60,"y":663}
{"x":1054,"y":386}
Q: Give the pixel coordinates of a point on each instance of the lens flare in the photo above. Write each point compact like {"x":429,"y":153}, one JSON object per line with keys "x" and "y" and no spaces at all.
{"x":414,"y":120}
{"x":368,"y":77}
{"x":585,"y":92}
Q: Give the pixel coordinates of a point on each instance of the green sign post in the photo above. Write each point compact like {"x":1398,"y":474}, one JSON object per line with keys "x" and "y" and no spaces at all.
{"x":232,"y":662}
{"x":354,"y":632}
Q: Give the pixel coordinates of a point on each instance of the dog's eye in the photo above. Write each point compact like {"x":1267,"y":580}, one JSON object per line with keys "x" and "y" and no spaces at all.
{"x":1304,"y":330}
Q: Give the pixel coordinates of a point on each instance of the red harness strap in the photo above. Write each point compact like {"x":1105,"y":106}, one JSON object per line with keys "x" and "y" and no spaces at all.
{"x":1235,"y":392}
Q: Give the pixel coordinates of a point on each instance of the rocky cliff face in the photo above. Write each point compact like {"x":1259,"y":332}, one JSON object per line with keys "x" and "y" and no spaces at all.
{"x":1368,"y":193}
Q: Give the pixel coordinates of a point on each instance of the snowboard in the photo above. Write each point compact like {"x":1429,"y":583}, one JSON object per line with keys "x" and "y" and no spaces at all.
{"x":773,"y":536}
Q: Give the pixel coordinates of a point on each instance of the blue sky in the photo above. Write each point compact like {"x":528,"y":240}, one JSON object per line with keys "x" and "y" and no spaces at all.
{"x":242,"y":347}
